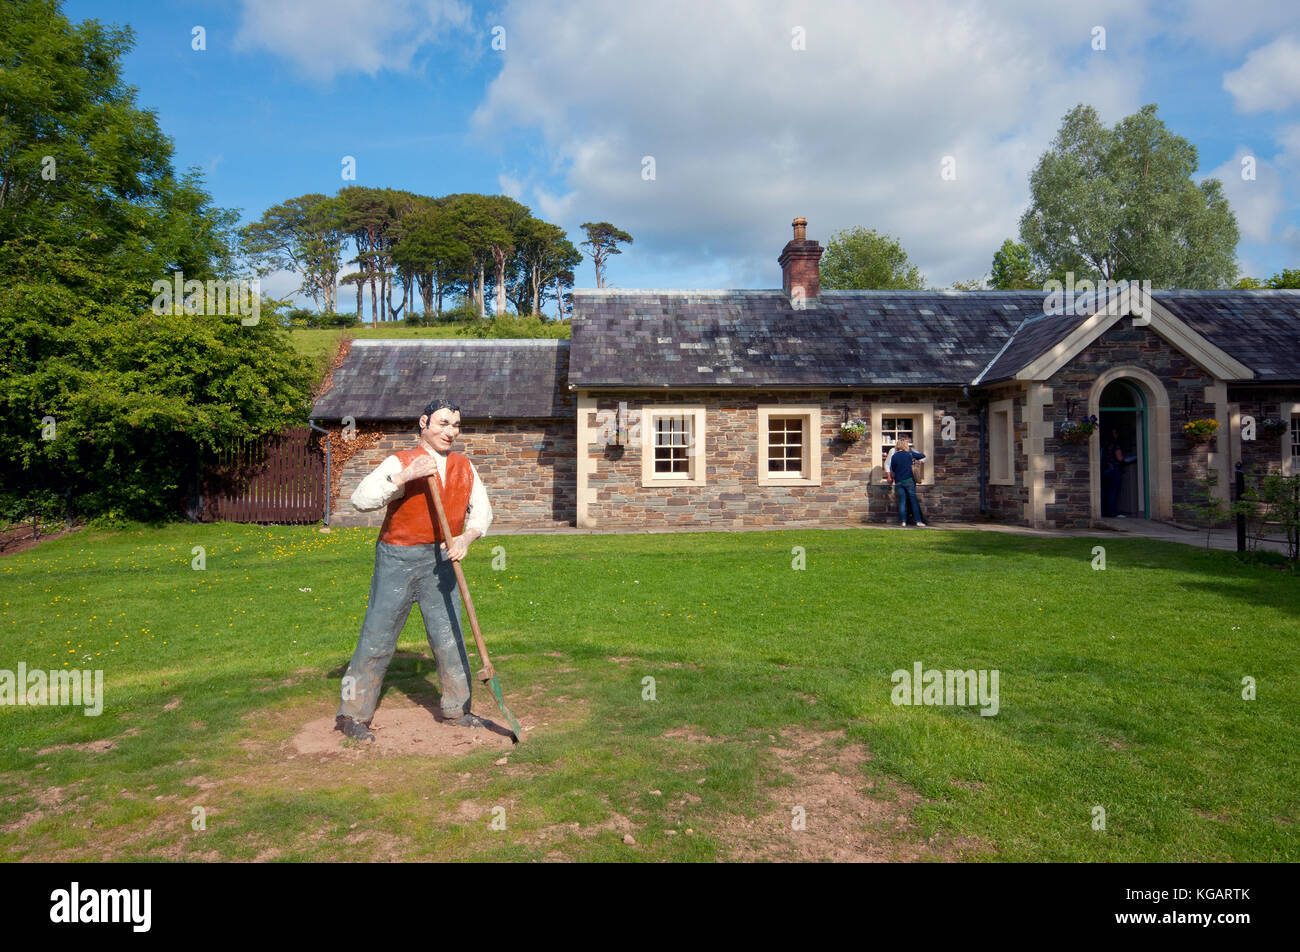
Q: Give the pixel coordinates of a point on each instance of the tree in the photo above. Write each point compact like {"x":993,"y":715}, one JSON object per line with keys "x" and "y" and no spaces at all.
{"x":510,"y":217}
{"x":477,"y":223}
{"x":603,"y":239}
{"x":1286,"y":278}
{"x":133,"y":398}
{"x":544,"y":252}
{"x":1013,"y":268}
{"x":305,"y":235}
{"x":1120,"y":203}
{"x":862,"y":258}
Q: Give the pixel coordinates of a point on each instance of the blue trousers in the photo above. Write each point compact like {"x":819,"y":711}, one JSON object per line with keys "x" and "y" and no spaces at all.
{"x":906,"y":490}
{"x":1113,"y":485}
{"x":405,"y":574}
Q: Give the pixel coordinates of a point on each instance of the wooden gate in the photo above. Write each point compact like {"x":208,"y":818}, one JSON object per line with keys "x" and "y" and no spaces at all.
{"x":277,"y":479}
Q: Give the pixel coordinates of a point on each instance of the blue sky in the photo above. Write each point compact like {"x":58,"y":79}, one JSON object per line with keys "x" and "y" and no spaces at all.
{"x":746,"y":129}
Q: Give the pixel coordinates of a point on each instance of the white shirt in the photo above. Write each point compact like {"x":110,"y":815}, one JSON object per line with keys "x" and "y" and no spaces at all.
{"x":376,"y":492}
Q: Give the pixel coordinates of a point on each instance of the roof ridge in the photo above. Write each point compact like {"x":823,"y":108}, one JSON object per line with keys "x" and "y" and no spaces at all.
{"x":459,"y":341}
{"x":1005,"y":345}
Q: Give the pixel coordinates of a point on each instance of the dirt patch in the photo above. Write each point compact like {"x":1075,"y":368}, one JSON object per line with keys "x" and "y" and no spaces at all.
{"x":691,"y":735}
{"x":831,"y":811}
{"x":91,"y":746}
{"x":19,"y":538}
{"x":623,"y":662}
{"x":404,"y":727}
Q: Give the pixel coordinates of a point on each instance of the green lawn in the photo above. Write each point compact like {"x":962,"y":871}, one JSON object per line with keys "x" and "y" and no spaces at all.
{"x":320,"y":344}
{"x":1119,"y":689}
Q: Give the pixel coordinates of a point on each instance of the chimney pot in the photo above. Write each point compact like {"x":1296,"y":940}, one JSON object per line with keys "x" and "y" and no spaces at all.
{"x":800,"y":266}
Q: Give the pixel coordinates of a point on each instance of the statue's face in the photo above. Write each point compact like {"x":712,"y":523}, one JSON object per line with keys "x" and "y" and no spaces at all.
{"x":440,"y":429}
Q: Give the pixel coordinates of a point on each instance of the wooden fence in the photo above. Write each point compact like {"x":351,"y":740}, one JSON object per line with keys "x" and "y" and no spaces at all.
{"x":278,"y":479}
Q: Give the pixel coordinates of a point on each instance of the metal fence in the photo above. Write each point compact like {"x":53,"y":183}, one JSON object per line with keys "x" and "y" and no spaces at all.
{"x":1267,"y":509}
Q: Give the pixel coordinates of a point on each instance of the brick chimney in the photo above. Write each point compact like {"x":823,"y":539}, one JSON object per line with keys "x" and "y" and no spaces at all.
{"x":800,"y":271}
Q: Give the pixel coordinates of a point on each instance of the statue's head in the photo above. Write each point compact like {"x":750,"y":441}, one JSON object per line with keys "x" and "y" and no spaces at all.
{"x":440,"y":424}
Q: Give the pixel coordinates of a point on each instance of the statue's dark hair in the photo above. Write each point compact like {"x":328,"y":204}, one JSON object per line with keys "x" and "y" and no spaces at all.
{"x":436,"y":404}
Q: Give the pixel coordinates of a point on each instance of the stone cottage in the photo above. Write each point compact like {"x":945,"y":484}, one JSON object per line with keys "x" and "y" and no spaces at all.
{"x":723,"y":408}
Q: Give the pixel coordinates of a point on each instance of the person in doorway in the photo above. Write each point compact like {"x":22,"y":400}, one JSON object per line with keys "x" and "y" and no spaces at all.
{"x":900,"y":472}
{"x":1112,"y":480}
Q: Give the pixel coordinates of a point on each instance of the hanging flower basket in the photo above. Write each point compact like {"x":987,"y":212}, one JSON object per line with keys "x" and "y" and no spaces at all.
{"x":1080,"y":432}
{"x":853,"y":430}
{"x":1272,"y":428}
{"x":1198,"y":432}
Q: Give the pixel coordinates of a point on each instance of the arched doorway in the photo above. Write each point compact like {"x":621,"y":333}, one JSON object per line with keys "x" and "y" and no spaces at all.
{"x":1122,"y":421}
{"x":1139,"y":409}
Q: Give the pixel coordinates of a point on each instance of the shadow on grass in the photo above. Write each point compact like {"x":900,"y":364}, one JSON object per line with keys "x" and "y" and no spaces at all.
{"x":415,"y":676}
{"x":1256,"y":581}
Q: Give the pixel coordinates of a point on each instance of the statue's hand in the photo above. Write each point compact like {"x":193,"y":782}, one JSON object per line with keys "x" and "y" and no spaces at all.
{"x":421,"y":466}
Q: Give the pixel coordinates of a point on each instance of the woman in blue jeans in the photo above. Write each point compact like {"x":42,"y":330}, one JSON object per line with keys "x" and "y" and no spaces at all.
{"x":900,"y":471}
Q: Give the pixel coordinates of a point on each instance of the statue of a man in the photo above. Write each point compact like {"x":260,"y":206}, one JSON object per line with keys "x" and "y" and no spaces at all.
{"x":413,"y":563}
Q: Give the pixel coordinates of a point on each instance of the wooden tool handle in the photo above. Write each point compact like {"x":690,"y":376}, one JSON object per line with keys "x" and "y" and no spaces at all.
{"x":487,"y":672}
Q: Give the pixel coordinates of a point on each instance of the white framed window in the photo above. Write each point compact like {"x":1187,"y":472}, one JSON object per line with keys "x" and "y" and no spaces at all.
{"x":1291,"y":444}
{"x":672,"y":446}
{"x":889,"y":424}
{"x":789,"y":446}
{"x":1002,"y":443}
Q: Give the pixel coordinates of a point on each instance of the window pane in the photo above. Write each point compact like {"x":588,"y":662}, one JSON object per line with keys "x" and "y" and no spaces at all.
{"x":785,"y":444}
{"x":672,"y":439}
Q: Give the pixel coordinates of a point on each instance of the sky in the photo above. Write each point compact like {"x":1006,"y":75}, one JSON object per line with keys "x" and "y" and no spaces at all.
{"x":703,"y":128}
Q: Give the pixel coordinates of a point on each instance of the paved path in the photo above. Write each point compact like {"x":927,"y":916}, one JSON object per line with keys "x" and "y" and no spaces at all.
{"x":1225,"y":539}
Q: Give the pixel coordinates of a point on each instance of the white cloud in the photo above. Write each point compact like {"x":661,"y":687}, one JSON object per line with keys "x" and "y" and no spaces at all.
{"x":1257,"y":202}
{"x":1270,"y":77}
{"x":328,"y":38}
{"x":1229,"y":26}
{"x":747,"y":133}
{"x":283,"y":284}
{"x":510,"y":185}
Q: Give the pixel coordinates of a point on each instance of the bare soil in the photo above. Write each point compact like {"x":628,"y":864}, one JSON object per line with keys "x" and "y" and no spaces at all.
{"x":831,"y":811}
{"x":404,"y":727}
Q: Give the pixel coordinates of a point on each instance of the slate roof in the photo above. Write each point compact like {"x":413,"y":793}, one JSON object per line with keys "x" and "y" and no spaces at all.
{"x":1259,"y":328}
{"x":490,"y":379}
{"x":863,"y":339}
{"x":757,"y":339}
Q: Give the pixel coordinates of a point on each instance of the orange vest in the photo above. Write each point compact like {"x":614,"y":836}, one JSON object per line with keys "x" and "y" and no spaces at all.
{"x":412,"y":520}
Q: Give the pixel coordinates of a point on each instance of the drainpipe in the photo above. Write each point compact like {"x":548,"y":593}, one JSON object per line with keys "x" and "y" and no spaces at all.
{"x":983,"y":412}
{"x":328,"y":470}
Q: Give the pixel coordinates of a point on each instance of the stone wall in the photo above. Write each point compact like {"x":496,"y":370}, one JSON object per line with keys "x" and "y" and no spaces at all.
{"x":1185,"y":383}
{"x":731,"y":496}
{"x":1007,"y":503}
{"x":527,"y":467}
{"x":1265,"y":453}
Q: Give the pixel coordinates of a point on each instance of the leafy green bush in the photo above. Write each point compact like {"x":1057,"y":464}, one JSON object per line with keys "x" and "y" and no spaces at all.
{"x":461,"y":313}
{"x":515,"y":325}
{"x":300,"y":317}
{"x":1206,"y":509}
{"x":337,"y":319}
